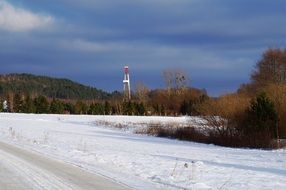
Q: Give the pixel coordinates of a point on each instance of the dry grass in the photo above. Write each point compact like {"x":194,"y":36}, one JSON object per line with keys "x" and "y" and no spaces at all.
{"x":175,"y":131}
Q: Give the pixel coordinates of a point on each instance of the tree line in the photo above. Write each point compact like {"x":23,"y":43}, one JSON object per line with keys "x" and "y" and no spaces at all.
{"x":157,"y":102}
{"x":252,"y":117}
{"x":42,"y":105}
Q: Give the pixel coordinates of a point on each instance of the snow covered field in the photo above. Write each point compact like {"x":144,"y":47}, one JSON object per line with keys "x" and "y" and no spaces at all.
{"x":141,"y":161}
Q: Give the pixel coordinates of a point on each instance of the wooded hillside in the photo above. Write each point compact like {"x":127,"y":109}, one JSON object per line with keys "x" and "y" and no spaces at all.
{"x":49,"y":87}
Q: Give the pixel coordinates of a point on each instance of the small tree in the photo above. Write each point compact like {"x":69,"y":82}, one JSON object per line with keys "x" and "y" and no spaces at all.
{"x":96,"y":109}
{"x":107,"y":108}
{"x":28,"y":105}
{"x":184,"y":109}
{"x":42,"y":104}
{"x":70,"y":108}
{"x":57,"y":107}
{"x":140,"y":109}
{"x":18,"y":103}
{"x":262,"y":113}
{"x":261,"y":122}
{"x":128,"y":108}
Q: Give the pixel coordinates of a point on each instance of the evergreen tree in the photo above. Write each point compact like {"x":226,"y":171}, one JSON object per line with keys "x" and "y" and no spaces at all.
{"x":262,"y":115}
{"x":156,"y":108}
{"x":18,"y":103}
{"x":128,"y":108}
{"x":84,"y":108}
{"x":70,"y":108}
{"x":28,"y":105}
{"x":107,"y":108}
{"x":1,"y":105}
{"x":184,"y":108}
{"x":96,"y":109}
{"x":159,"y":109}
{"x":162,"y":110}
{"x":57,"y":107}
{"x":41,"y":104}
{"x":141,"y":109}
{"x":114,"y":110}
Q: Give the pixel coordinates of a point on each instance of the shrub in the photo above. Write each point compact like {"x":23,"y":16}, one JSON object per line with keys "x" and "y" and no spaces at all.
{"x":223,"y":117}
{"x":173,"y":131}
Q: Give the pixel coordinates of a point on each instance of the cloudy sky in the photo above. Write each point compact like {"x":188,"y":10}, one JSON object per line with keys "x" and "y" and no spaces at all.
{"x":216,"y":42}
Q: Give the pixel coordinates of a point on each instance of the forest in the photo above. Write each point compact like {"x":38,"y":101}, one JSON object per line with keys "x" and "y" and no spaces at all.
{"x":254,"y":116}
{"x":33,"y":85}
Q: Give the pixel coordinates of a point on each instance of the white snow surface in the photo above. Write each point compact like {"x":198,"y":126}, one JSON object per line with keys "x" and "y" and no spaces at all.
{"x":141,"y":161}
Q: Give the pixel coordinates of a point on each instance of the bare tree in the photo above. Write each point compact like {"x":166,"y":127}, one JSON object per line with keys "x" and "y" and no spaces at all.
{"x":168,"y":77}
{"x":271,"y":69}
{"x":175,"y":79}
{"x":181,"y":81}
{"x":142,"y":92}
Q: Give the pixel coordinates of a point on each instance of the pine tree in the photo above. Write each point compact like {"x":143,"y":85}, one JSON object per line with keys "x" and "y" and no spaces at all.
{"x":96,"y":109}
{"x":70,"y":108}
{"x":42,"y":104}
{"x":262,"y":115}
{"x":141,"y":109}
{"x":18,"y":103}
{"x":57,"y":107}
{"x":107,"y":108}
{"x":184,"y":108}
{"x":128,"y":108}
{"x":28,"y":105}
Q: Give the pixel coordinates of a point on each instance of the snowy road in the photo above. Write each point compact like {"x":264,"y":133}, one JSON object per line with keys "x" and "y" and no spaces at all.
{"x":21,"y":169}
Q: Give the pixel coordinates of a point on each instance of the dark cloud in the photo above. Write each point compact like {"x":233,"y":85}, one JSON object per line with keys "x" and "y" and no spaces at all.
{"x":216,"y":41}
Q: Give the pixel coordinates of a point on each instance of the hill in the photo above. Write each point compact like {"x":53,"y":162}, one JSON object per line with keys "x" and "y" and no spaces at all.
{"x":49,"y":87}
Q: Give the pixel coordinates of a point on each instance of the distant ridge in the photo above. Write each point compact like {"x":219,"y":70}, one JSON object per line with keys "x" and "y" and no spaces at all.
{"x":48,"y":86}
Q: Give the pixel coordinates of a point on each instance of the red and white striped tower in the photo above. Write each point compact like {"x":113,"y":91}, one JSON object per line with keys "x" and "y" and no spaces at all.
{"x":126,"y":84}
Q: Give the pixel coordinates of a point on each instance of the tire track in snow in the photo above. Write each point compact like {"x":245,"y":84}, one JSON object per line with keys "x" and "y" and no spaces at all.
{"x":33,"y":176}
{"x":42,"y":173}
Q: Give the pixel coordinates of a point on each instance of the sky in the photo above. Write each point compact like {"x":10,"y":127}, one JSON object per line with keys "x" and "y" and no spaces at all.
{"x":215,"y":42}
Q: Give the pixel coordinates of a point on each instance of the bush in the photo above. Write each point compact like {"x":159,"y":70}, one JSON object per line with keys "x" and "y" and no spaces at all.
{"x":173,"y":131}
{"x":223,"y":116}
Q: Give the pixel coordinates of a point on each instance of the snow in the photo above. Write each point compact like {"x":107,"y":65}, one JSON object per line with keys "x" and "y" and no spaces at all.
{"x":31,"y":175}
{"x":141,"y":161}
